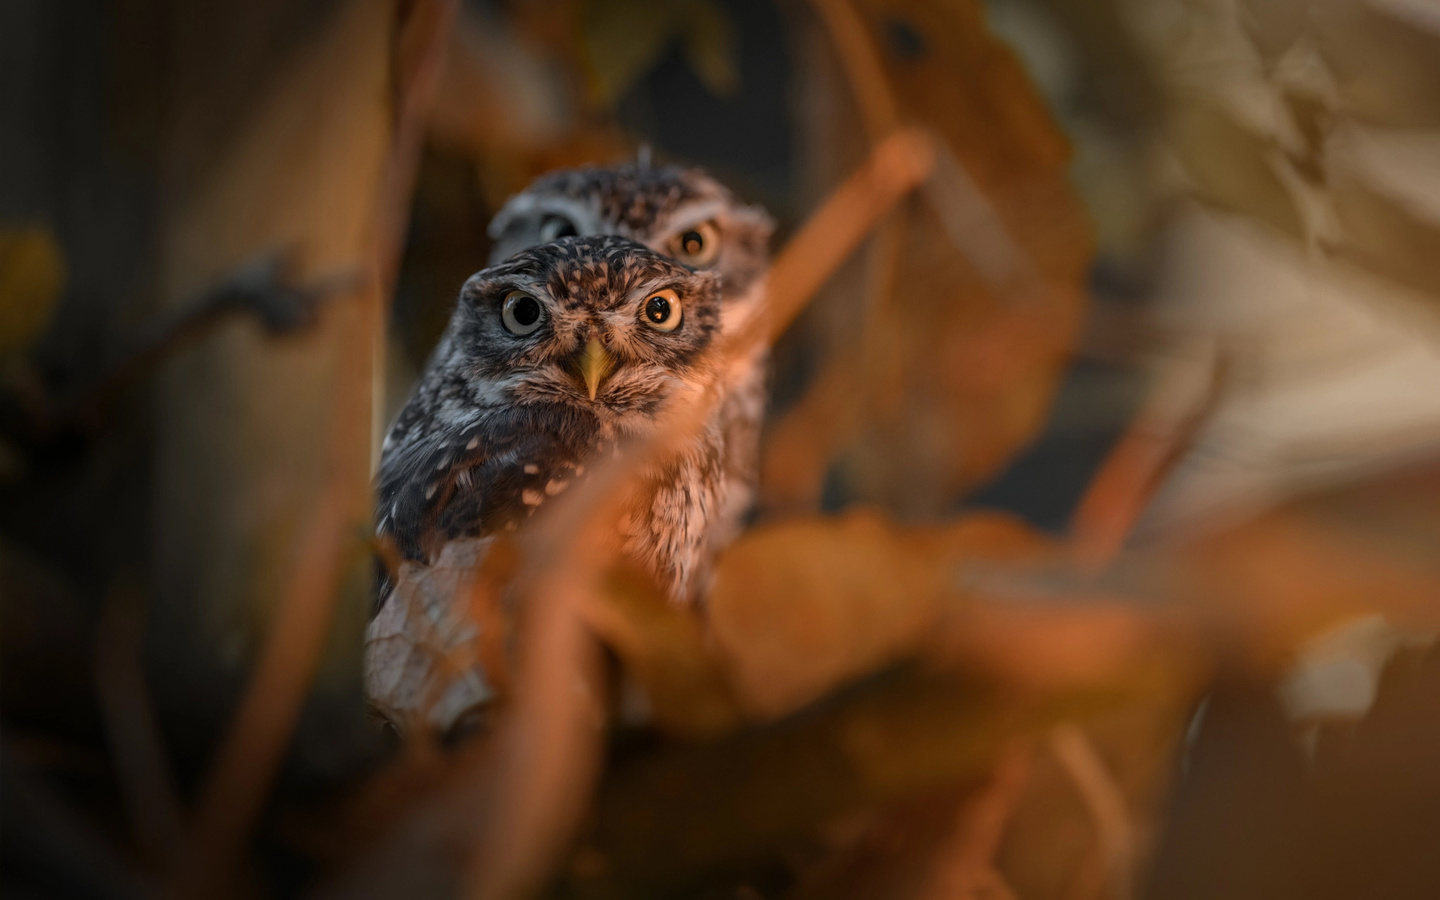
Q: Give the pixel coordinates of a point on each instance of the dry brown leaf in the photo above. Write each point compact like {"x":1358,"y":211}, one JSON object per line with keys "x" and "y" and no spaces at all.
{"x":663,"y":650}
{"x":933,"y":421}
{"x":427,"y":649}
{"x":798,"y":608}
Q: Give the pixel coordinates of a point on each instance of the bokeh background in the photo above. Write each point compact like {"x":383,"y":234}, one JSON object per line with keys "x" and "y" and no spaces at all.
{"x":1096,"y":551}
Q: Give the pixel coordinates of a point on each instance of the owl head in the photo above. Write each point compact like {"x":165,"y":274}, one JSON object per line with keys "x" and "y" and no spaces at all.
{"x":550,"y":357}
{"x":601,"y":324}
{"x":678,"y":211}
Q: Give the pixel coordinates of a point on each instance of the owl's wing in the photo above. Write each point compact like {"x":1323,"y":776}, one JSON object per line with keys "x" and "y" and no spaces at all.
{"x":472,"y":481}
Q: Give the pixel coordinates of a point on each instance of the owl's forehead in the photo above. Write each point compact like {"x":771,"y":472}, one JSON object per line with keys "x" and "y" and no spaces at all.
{"x":602,"y":271}
{"x":629,"y":197}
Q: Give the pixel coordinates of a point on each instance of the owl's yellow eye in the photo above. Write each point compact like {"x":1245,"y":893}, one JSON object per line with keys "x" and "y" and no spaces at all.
{"x":521,"y":313}
{"x":698,"y":246}
{"x":662,"y":310}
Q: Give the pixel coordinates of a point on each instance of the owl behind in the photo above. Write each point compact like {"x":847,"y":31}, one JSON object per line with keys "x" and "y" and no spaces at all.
{"x":689,"y":216}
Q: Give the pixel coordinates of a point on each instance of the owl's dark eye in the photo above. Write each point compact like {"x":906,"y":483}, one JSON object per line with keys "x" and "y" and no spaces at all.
{"x":662,"y":310}
{"x":521,"y":313}
{"x":699,"y":245}
{"x":554,"y":227}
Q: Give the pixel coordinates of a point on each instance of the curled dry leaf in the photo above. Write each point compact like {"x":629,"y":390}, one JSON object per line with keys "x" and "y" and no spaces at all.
{"x":435,"y":651}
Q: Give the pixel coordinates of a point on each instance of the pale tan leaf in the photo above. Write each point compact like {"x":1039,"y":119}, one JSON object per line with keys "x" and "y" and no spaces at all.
{"x":1232,"y":167}
{"x":1384,"y":235}
{"x":1385,"y":57}
{"x":1274,"y":25}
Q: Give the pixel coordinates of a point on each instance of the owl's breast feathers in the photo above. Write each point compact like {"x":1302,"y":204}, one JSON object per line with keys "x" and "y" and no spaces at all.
{"x":493,"y":473}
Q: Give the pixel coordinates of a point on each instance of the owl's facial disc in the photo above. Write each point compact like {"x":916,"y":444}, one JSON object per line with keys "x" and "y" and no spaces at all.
{"x":601,"y":323}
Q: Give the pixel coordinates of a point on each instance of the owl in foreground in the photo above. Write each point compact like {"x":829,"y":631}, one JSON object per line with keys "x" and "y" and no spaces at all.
{"x":550,"y":360}
{"x":688,"y":216}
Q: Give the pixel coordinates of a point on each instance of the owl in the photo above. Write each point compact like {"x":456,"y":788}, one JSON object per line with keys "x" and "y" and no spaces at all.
{"x":550,"y":361}
{"x":690,"y":217}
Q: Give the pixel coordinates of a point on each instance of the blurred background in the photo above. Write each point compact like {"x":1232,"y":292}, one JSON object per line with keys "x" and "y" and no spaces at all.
{"x":1098,"y":540}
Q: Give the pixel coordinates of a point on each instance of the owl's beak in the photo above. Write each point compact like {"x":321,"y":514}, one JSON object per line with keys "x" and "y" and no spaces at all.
{"x":595,"y":364}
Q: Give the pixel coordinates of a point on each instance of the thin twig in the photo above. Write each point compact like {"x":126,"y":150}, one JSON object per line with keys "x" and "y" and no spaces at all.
{"x":1104,"y":801}
{"x":965,"y":864}
{"x":141,"y":765}
{"x":1149,"y":450}
{"x":806,"y":437}
{"x":858,"y":58}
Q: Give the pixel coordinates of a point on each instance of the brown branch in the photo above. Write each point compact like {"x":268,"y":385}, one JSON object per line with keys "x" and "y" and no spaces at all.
{"x":1148,"y":451}
{"x":862,"y":65}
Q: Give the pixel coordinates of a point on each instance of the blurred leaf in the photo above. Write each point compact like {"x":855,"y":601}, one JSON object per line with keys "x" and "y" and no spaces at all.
{"x":667,"y":821}
{"x":662,"y":647}
{"x":1114,"y":67}
{"x":1274,"y":25}
{"x":32,"y":275}
{"x":710,"y":48}
{"x":1385,"y":236}
{"x":911,"y":341}
{"x":800,"y":607}
{"x":624,"y":39}
{"x":1385,"y":57}
{"x":1298,"y":571}
{"x":1231,"y":166}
